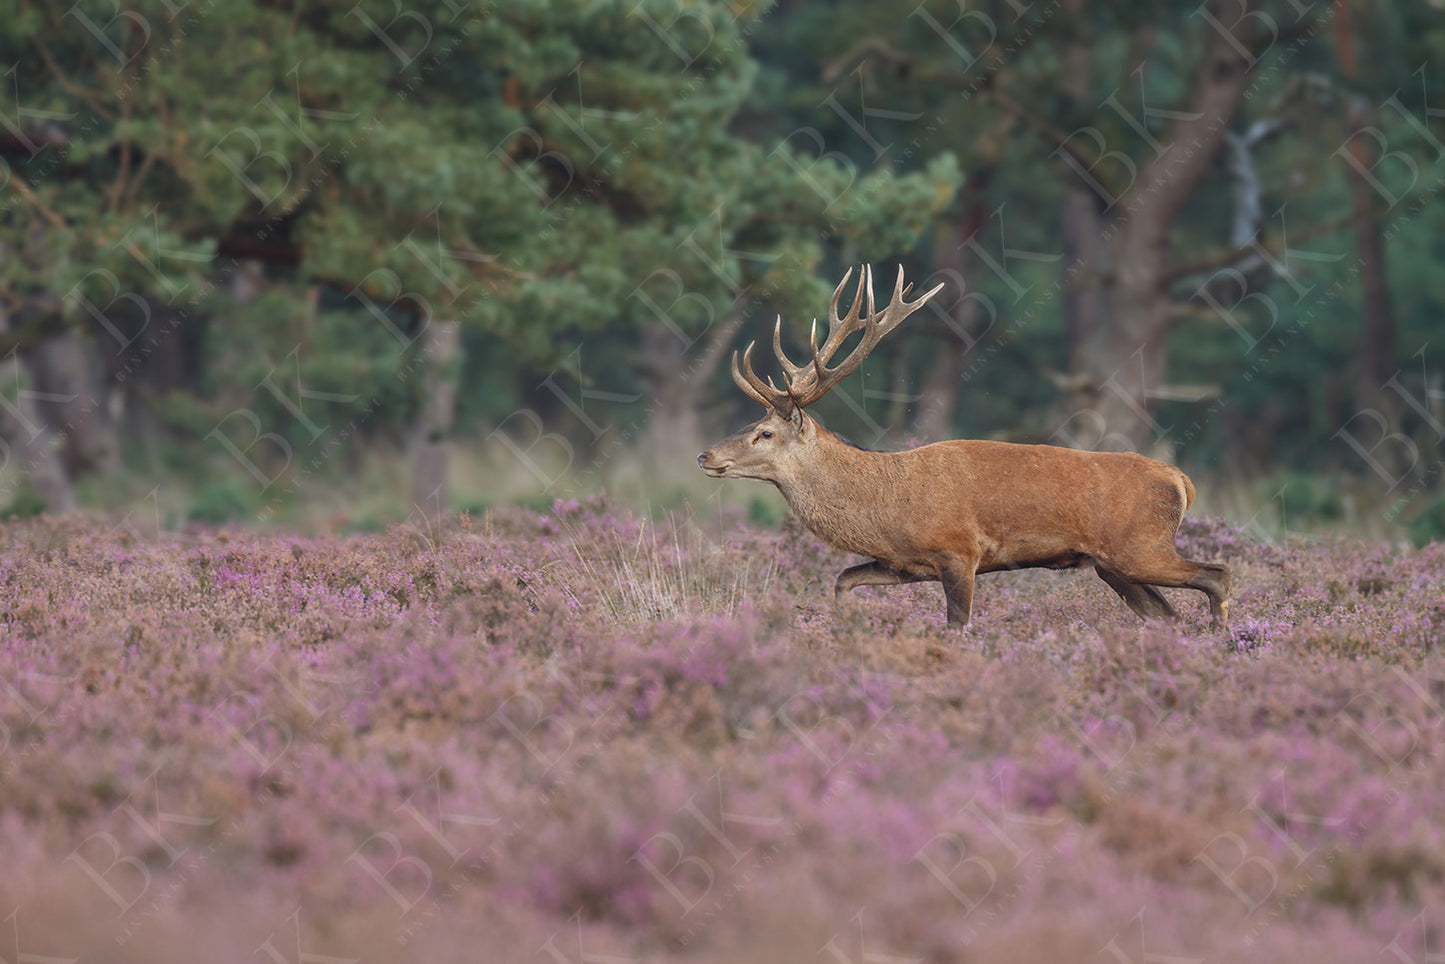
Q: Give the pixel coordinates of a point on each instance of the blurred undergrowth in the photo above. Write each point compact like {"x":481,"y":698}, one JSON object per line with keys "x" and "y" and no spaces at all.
{"x":367,"y":492}
{"x":644,"y":570}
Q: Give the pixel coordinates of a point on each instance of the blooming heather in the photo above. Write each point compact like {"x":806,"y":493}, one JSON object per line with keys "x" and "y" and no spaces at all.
{"x":585,"y":736}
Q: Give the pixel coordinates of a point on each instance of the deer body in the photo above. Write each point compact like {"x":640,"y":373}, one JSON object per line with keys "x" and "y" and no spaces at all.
{"x":1010,"y":506}
{"x":951,"y":510}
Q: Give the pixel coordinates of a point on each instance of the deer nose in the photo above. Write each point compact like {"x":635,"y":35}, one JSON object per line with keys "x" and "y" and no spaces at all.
{"x":703,"y":457}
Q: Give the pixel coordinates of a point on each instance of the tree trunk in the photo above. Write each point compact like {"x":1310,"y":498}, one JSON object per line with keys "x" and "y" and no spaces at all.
{"x":1082,"y":231}
{"x":675,"y":419}
{"x":1121,"y":361}
{"x":1081,"y":218}
{"x":678,"y":380}
{"x":28,"y":447}
{"x":431,"y":433}
{"x":938,"y":395}
{"x":938,"y":402}
{"x":1123,"y":356}
{"x":1377,"y":346}
{"x":1378,"y":354}
{"x":67,"y":371}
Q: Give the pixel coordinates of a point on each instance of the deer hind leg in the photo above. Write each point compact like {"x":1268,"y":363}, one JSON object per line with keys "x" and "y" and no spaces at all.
{"x":1146,"y":601}
{"x":1165,"y":567}
{"x":1214,"y":581}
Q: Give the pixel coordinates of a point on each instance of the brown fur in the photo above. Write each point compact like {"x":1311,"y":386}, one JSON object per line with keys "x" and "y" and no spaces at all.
{"x":950,"y":510}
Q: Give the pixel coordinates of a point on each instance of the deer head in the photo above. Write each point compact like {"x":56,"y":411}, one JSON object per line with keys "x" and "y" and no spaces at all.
{"x":770,"y":448}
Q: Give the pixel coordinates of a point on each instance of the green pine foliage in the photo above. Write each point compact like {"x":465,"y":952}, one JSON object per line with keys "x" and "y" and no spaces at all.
{"x":576,"y":181}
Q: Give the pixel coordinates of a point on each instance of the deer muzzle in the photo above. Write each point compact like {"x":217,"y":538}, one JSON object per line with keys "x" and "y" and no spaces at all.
{"x":712,"y":465}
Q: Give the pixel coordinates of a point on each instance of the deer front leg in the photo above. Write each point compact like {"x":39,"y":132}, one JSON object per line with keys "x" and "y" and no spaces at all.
{"x":957,"y":577}
{"x":869,"y":574}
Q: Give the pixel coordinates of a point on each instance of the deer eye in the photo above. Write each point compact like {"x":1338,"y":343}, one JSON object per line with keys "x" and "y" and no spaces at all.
{"x":765,"y":435}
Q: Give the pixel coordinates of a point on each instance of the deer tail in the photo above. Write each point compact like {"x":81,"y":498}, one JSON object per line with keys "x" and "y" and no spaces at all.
{"x":1186,"y":489}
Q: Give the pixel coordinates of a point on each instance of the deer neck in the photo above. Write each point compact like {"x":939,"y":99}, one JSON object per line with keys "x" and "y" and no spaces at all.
{"x":837,"y":490}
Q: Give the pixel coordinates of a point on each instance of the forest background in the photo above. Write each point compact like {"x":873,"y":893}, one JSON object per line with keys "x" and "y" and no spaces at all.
{"x":280,"y":262}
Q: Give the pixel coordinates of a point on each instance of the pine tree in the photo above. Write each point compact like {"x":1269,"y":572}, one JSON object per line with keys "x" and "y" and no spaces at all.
{"x":279,"y":219}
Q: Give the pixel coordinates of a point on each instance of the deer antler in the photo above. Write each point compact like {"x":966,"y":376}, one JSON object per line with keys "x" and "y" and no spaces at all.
{"x":812,"y":380}
{"x":763,"y":392}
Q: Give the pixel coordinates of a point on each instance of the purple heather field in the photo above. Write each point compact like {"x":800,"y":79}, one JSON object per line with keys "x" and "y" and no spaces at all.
{"x":579,"y":737}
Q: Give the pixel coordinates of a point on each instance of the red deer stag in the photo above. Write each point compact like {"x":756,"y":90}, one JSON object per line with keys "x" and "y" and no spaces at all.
{"x":951,"y":510}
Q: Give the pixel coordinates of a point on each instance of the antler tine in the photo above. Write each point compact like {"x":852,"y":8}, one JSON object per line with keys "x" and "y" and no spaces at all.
{"x":874,"y":327}
{"x":868,"y":279}
{"x":850,"y":323}
{"x":802,"y":378}
{"x":793,"y":372}
{"x":764,"y":393}
{"x":833,"y":320}
{"x":888,"y":322}
{"x":841,"y":328}
{"x":809,"y":382}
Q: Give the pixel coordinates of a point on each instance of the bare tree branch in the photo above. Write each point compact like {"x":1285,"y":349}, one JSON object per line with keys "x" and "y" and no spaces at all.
{"x":862,"y":50}
{"x":40,"y":207}
{"x":1169,"y":177}
{"x":1225,"y":257}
